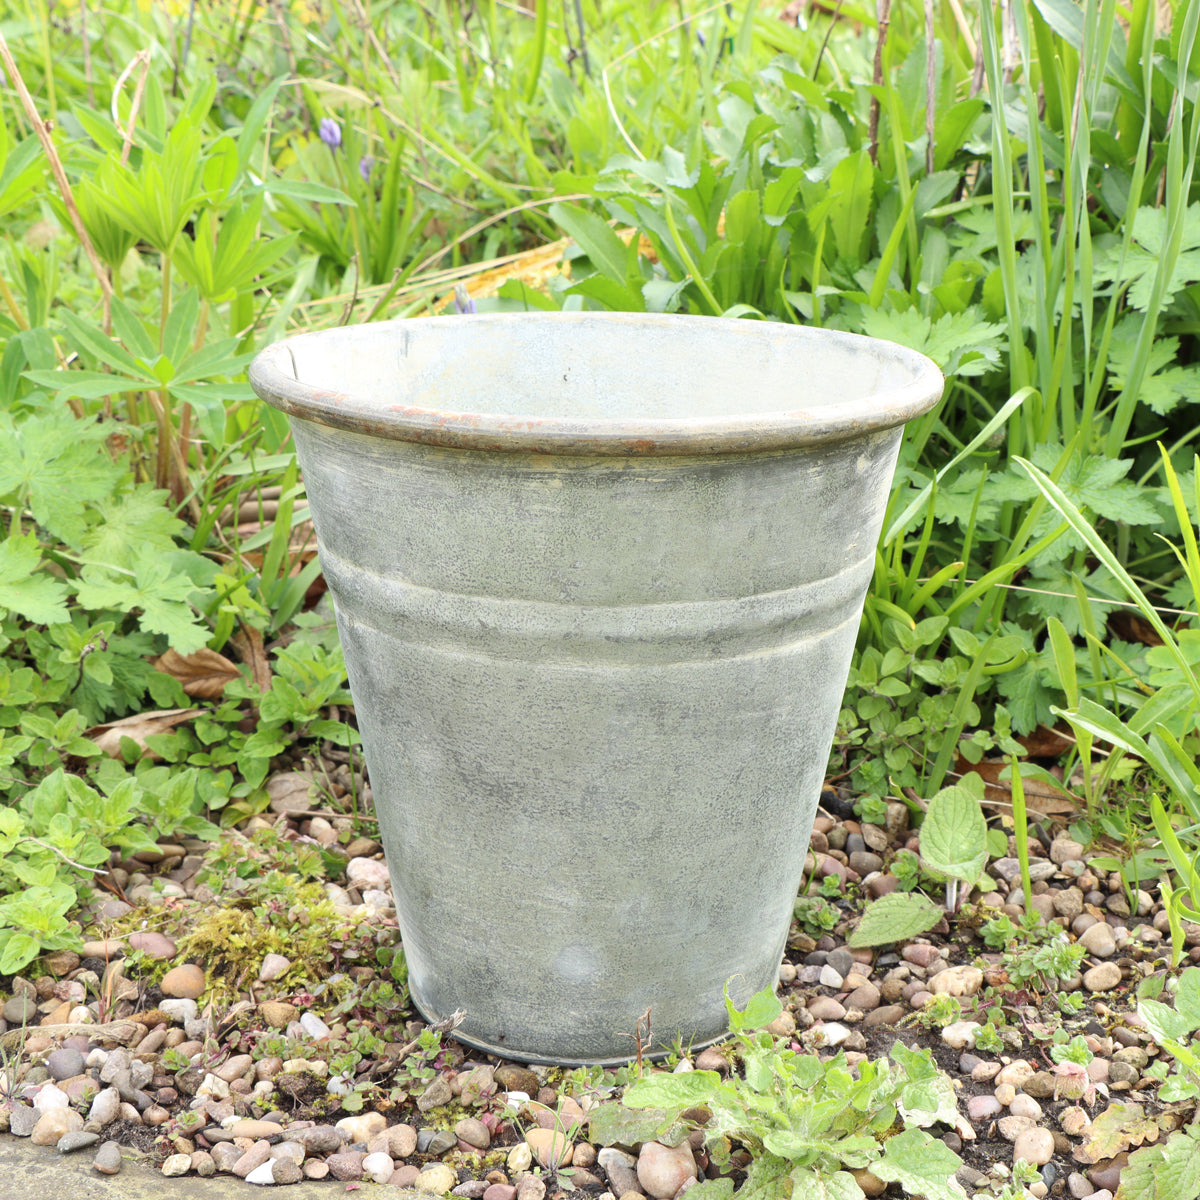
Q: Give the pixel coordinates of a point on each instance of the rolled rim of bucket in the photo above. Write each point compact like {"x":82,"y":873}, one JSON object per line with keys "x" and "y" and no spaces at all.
{"x":407,"y":380}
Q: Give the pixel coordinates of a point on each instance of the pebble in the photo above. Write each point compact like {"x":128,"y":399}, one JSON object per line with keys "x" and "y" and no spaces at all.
{"x":177,"y":1164}
{"x":79,"y":1140}
{"x":153,"y":944}
{"x":961,"y":1034}
{"x":982,"y":1108}
{"x":957,"y":981}
{"x":551,"y":1148}
{"x":368,"y":872}
{"x":436,"y":1179}
{"x":185,"y":982}
{"x":1103,"y":977}
{"x":362,"y":1127}
{"x":108,"y":1159}
{"x":1099,"y":940}
{"x":64,"y":1064}
{"x":53,"y":1125}
{"x":273,"y":966}
{"x":663,"y":1170}
{"x":379,"y":1167}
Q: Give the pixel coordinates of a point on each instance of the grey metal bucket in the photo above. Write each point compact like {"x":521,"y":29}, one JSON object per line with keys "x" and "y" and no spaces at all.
{"x":598,"y":579}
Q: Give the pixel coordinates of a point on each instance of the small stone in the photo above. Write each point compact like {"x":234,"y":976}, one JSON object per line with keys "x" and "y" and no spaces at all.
{"x":314,"y":1026}
{"x":79,"y":1140}
{"x":826,"y":1008}
{"x":865,"y":998}
{"x":320,"y":1139}
{"x":346,"y":1165}
{"x":51,"y":1097}
{"x":108,"y":1159}
{"x":258,"y":1154}
{"x":435,"y":1141}
{"x":435,"y":1095}
{"x":20,"y":1010}
{"x":185,"y":982}
{"x":225,"y":1155}
{"x":180,"y":1010}
{"x":152,"y":944}
{"x":829,"y":978}
{"x":550,"y":1147}
{"x":520,"y":1158}
{"x":54,"y":1124}
{"x":276,"y":1014}
{"x":286,"y":1170}
{"x":531,"y":1188}
{"x":1024,"y":1105}
{"x":1015,"y":1073}
{"x":234,"y":1068}
{"x":362,"y":1127}
{"x":663,"y":1170}
{"x":378,"y":1167}
{"x":177,"y":1164}
{"x":500,"y":1191}
{"x":1011,"y":1128}
{"x":1040,"y":1085}
{"x":889,"y":1014}
{"x":957,"y":981}
{"x":1034,"y":1145}
{"x":254,"y":1130}
{"x":401,"y":1140}
{"x":368,"y":872}
{"x":1099,"y":940}
{"x":961,"y":1034}
{"x":64,"y":1064}
{"x":513,"y":1078}
{"x":1074,"y":1121}
{"x":262,"y":1174}
{"x":314,"y":1168}
{"x":436,"y":1179}
{"x":273,"y":966}
{"x":982,"y":1108}
{"x":1103,"y":977}
{"x":831,"y":1033}
{"x":474,"y":1132}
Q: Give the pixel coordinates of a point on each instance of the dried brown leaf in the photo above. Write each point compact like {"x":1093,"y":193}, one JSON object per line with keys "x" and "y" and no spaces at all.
{"x":1040,"y":797}
{"x":138,"y":728}
{"x":203,"y":674}
{"x":248,"y":642}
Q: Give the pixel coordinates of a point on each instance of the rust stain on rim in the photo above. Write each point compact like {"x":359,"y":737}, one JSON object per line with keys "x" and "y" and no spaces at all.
{"x":272,"y":376}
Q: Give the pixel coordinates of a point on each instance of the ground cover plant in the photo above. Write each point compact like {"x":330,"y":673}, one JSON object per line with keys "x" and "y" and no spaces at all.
{"x":1009,"y":189}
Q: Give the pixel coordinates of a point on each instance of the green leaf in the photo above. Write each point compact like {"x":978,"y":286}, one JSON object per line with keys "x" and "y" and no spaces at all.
{"x":39,"y":598}
{"x":1166,"y":1172}
{"x":20,"y":949}
{"x":614,"y":1124}
{"x":670,"y":1091}
{"x":811,"y":1184}
{"x":924,"y":1165}
{"x":761,"y":1009}
{"x":895,"y":918}
{"x":954,"y":833}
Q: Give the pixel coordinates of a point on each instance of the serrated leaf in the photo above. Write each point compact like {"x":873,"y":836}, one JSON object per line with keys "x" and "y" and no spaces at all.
{"x":923,"y":1164}
{"x":39,"y":598}
{"x":960,"y":343}
{"x":894,"y":918}
{"x":954,"y":833}
{"x":1163,"y":1021}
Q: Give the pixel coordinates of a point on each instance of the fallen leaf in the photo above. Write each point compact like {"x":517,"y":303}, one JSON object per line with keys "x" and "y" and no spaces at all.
{"x":1117,"y":1128}
{"x":1045,"y":742}
{"x":248,"y":642}
{"x":203,"y":673}
{"x":138,"y":728}
{"x":1040,"y":797}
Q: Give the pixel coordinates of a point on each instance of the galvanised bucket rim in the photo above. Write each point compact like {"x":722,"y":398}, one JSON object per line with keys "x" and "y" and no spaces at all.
{"x":274,"y":378}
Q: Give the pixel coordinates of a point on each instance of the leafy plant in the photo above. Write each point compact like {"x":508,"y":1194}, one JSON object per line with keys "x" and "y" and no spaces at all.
{"x":806,"y":1121}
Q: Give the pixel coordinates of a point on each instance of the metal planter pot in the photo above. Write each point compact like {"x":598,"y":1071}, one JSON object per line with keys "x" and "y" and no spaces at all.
{"x":598,"y":579}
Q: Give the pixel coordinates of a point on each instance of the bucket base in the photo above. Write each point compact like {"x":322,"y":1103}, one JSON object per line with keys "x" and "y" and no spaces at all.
{"x":519,"y":1056}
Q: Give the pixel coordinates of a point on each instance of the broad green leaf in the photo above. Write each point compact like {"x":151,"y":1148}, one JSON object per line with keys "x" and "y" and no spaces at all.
{"x":39,"y":598}
{"x":1187,"y":997}
{"x":1167,"y":1172}
{"x":895,"y":918}
{"x":595,"y":237}
{"x":954,"y":832}
{"x":924,"y":1165}
{"x":614,"y":1124}
{"x":670,"y":1091}
{"x":299,"y":189}
{"x":20,"y":949}
{"x":1163,"y":1021}
{"x":761,"y":1009}
{"x":811,"y":1184}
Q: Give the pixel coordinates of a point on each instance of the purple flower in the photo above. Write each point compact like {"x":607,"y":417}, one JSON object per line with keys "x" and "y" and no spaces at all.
{"x":330,"y":132}
{"x":463,"y":303}
{"x":364,"y":167}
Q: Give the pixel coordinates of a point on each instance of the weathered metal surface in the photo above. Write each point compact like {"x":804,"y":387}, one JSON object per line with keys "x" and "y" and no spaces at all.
{"x":597,"y":659}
